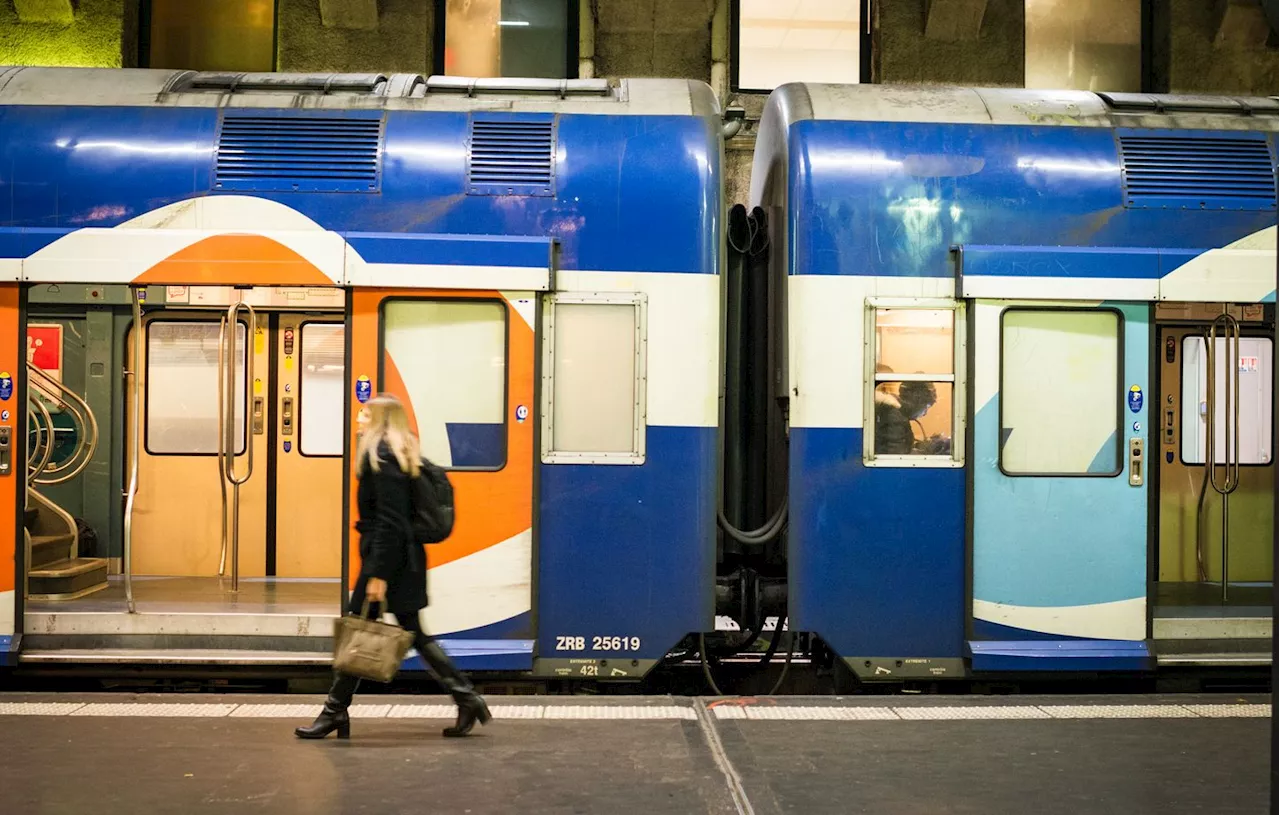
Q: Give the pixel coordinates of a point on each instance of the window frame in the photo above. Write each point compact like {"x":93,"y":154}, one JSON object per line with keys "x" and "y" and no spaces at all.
{"x":298,"y":403}
{"x":735,"y":49}
{"x":506,"y":367}
{"x":573,"y":33}
{"x":959,"y":380}
{"x":1119,"y":390}
{"x":640,"y":412}
{"x":1182,"y":414}
{"x":249,"y":347}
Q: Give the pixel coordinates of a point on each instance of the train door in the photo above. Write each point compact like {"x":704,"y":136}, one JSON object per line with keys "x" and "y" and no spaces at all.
{"x":1216,"y":374}
{"x":270,"y":395}
{"x":1059,"y":488}
{"x":463,"y":364}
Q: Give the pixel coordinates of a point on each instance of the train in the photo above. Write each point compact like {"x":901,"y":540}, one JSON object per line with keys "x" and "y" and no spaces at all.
{"x":980,"y":382}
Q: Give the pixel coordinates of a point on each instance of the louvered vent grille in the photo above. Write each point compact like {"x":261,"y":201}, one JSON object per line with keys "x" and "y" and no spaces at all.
{"x":1177,"y":171}
{"x":312,"y":153}
{"x":511,"y":158}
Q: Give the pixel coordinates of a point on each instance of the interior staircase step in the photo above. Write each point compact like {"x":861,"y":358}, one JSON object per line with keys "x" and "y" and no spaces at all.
{"x":29,"y":516}
{"x":47,"y":549}
{"x":68,"y":579}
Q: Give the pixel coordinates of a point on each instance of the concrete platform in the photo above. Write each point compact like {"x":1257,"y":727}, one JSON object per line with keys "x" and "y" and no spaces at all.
{"x":118,"y":753}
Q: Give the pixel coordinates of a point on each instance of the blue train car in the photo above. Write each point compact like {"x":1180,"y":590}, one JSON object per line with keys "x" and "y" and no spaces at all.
{"x":533,"y":265}
{"x":1015,"y":325}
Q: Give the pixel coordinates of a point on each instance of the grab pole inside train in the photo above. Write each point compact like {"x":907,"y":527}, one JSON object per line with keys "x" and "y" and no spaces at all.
{"x":135,"y":436}
{"x":1230,"y":330}
{"x":227,"y":355}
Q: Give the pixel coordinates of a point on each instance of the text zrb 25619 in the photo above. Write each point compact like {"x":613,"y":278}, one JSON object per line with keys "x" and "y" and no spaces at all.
{"x":598,"y":643}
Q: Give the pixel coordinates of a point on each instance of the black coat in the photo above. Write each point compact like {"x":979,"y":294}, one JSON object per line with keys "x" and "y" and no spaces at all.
{"x":384,"y":500}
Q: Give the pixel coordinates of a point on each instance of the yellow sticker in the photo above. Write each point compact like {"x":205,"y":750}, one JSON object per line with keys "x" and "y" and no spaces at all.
{"x":257,"y":387}
{"x":288,"y":363}
{"x":259,"y":341}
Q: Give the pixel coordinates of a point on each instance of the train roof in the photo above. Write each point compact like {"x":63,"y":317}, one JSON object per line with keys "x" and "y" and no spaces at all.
{"x":927,"y":104}
{"x":114,"y":87}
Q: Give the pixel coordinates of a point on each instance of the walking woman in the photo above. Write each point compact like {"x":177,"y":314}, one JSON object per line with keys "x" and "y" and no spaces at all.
{"x":393,"y":569}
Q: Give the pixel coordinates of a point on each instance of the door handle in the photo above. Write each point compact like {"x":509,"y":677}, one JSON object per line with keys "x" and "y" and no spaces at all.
{"x":1136,"y":463}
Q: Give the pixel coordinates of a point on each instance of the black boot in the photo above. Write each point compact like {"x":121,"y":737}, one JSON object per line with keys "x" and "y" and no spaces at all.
{"x":471,"y":706}
{"x":334,"y":715}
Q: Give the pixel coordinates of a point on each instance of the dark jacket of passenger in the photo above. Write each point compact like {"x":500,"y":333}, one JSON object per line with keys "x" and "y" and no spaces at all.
{"x":384,"y":500}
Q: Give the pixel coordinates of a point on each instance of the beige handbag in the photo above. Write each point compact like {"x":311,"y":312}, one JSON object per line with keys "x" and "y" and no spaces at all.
{"x":369,"y":649}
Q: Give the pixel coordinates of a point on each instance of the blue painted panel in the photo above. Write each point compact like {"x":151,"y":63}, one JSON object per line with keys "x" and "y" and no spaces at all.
{"x":21,"y":242}
{"x":452,"y":250}
{"x":506,"y":645}
{"x":891,"y":198}
{"x":620,"y":181}
{"x":477,"y":445}
{"x":1061,"y":261}
{"x":629,"y":550}
{"x":9,"y":648}
{"x":876,"y":553}
{"x":1062,"y":655}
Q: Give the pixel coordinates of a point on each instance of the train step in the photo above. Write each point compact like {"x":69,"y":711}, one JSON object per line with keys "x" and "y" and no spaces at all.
{"x":1236,"y":652}
{"x":67,"y":579}
{"x":47,"y":549}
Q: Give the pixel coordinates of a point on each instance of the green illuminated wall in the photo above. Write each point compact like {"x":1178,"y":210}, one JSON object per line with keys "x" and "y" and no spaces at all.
{"x":94,"y":40}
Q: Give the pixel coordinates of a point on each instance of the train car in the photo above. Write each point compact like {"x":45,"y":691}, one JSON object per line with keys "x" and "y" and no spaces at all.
{"x":1013,"y":326}
{"x":213,"y":271}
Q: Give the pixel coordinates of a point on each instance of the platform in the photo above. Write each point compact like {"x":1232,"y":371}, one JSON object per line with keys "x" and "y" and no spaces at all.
{"x":659,"y":755}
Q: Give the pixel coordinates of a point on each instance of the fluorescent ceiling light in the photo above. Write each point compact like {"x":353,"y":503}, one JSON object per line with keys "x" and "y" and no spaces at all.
{"x":513,"y":22}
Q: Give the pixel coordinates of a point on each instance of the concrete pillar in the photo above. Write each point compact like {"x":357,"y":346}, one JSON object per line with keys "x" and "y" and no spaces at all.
{"x":45,"y":11}
{"x":954,"y":20}
{"x":357,"y":14}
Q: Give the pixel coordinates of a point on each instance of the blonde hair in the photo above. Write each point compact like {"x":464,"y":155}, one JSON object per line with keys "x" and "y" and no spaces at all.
{"x":389,"y":422}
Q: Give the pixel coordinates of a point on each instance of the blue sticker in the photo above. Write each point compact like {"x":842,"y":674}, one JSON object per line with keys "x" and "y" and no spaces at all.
{"x":6,"y":386}
{"x":288,"y":446}
{"x":1135,"y":398}
{"x":364,"y":389}
{"x":522,"y":413}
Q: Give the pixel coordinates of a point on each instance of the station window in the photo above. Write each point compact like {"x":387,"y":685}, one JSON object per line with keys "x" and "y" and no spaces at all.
{"x":449,"y":357}
{"x":521,"y":38}
{"x":320,"y":389}
{"x":1060,"y":392}
{"x":781,"y":41}
{"x":182,"y":388}
{"x":1251,"y":391}
{"x":209,"y":35}
{"x":594,"y":379}
{"x":1088,"y":45}
{"x":914,"y":404}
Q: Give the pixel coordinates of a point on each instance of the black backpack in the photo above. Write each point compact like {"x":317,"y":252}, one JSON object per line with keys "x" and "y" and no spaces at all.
{"x":432,"y":505}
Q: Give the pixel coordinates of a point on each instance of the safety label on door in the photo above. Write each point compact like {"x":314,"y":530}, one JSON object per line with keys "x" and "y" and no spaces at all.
{"x":364,"y":389}
{"x":1135,"y":398}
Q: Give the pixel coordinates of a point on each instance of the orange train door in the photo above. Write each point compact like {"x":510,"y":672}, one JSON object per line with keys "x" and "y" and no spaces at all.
{"x":463,"y":363}
{"x":309,"y":434}
{"x":178,"y":515}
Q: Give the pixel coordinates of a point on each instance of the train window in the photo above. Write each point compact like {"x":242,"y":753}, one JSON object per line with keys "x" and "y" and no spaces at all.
{"x":594,"y":379}
{"x":781,"y":41}
{"x":1088,"y":45}
{"x":320,"y":389}
{"x":913,"y":409}
{"x":1060,"y":398}
{"x":182,"y":388}
{"x":1252,"y":392}
{"x":450,"y":358}
{"x":522,"y":38}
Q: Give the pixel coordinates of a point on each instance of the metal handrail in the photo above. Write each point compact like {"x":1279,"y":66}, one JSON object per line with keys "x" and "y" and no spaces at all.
{"x":1230,"y":480}
{"x":81,"y":415}
{"x":131,"y":495}
{"x":43,"y":448}
{"x":227,"y":415}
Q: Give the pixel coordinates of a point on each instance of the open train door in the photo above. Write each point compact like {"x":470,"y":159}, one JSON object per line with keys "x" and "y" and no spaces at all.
{"x":463,"y":362}
{"x":1059,"y":513}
